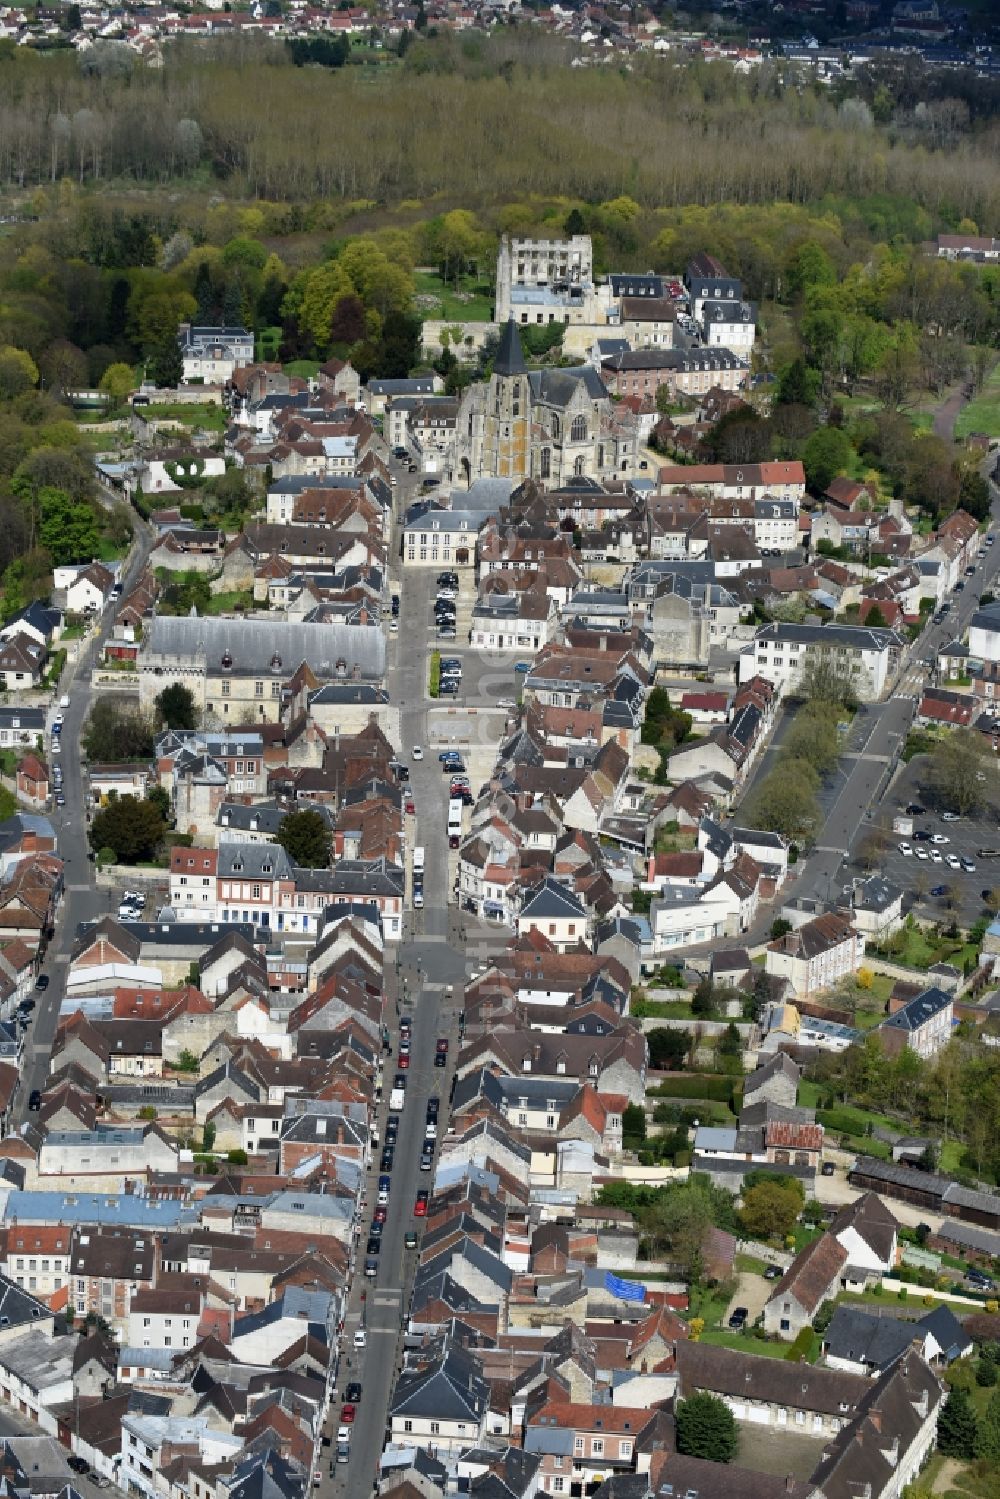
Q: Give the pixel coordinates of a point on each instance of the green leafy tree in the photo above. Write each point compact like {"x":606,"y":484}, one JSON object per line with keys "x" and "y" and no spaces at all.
{"x":667,"y":1049}
{"x":957,"y":1432}
{"x":67,"y":529}
{"x":988,"y":1438}
{"x":166,"y":366}
{"x":730,"y":1042}
{"x":117,"y":731}
{"x":827,"y":453}
{"x":133,"y":828}
{"x":770,"y":1209}
{"x":117,"y":382}
{"x":176,"y":707}
{"x":706,"y":1428}
{"x":187,"y":1062}
{"x":634,"y":1123}
{"x":785,"y":801}
{"x":305,"y":837}
{"x":160,"y":798}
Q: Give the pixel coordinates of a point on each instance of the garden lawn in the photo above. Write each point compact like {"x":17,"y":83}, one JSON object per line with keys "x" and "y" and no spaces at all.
{"x":227,"y":603}
{"x":983,"y":413}
{"x":922,"y":948}
{"x":724,"y":1338}
{"x":209,"y":416}
{"x":471,"y":303}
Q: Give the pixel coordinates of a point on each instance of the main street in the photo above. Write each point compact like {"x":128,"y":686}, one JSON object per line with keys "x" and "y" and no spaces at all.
{"x":425,"y":975}
{"x":82,"y":900}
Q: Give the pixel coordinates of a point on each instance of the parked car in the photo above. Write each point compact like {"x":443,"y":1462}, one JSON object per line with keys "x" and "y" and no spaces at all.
{"x":352,"y":1392}
{"x":774,"y":1272}
{"x":738,"y":1320}
{"x":42,"y":981}
{"x":34,"y":1100}
{"x":420,"y":1206}
{"x":827,"y":1168}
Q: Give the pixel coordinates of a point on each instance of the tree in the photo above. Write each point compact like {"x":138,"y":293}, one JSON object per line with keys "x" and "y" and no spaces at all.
{"x":165,"y":363}
{"x":117,"y":731}
{"x":160,"y":798}
{"x":575,"y":224}
{"x":305,"y":837}
{"x":875,"y":619}
{"x":785,"y":801}
{"x":634,"y":1124}
{"x":823,"y":681}
{"x":187,"y":1062}
{"x":827,"y":453}
{"x":667,"y":1049}
{"x":704,"y":1000}
{"x":117,"y":382}
{"x":957,"y":763}
{"x":67,"y":530}
{"x":133,"y":828}
{"x":176,"y":707}
{"x":730,"y":1042}
{"x":770,"y":1209}
{"x":957,"y":1431}
{"x":706,"y":1428}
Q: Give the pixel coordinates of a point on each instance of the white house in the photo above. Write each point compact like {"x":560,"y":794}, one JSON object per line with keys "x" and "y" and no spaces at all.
{"x":782,"y":652}
{"x":90,"y":589}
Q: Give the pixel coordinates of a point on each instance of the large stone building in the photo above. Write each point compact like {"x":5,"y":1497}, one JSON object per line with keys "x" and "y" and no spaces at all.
{"x":552,"y":425}
{"x":241,"y":670}
{"x":545,"y":280}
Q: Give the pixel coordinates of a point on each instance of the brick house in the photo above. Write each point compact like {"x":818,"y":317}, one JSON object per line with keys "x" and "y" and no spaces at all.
{"x":33,"y":780}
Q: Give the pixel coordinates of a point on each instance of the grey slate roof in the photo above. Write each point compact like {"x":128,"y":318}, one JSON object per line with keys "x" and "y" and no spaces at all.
{"x":252,"y":643}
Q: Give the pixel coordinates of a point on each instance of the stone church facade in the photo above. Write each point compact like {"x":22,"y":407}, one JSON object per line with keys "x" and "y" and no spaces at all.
{"x":551,"y":425}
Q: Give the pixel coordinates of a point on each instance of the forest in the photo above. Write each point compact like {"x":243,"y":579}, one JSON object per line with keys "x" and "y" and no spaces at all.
{"x":663,"y":132}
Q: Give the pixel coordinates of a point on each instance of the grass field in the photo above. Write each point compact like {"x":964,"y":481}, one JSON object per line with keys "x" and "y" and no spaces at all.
{"x":922,"y":948}
{"x":208,"y":416}
{"x":472,"y":302}
{"x":983,"y":413}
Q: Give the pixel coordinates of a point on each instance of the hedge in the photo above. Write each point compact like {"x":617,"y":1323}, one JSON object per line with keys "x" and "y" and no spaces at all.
{"x":713,"y":1086}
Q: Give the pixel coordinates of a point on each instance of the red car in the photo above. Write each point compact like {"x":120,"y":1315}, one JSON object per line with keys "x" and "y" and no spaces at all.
{"x":420,"y":1206}
{"x":379,"y":1215}
{"x":347,"y":1414}
{"x":442,"y":1045}
{"x":404,"y":1061}
{"x":411,"y":807}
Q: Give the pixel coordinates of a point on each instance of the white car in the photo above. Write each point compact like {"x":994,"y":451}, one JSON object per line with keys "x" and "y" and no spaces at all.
{"x":418,"y":753}
{"x":57,"y":721}
{"x":906,"y":850}
{"x":936,"y":856}
{"x":360,"y":1338}
{"x":952,"y":861}
{"x":506,"y":702}
{"x":921,"y":853}
{"x":940,"y":839}
{"x":56,"y":746}
{"x":969,"y":866}
{"x":950,"y":817}
{"x":343,"y":1434}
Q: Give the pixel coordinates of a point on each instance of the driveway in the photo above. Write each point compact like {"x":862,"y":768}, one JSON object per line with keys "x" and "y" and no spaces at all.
{"x":752,"y":1291}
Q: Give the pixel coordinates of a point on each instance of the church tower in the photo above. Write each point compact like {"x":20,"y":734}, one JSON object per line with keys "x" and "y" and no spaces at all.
{"x":507,"y":419}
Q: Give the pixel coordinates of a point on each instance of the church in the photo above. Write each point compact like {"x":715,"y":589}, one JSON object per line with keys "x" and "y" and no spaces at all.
{"x":551,"y":425}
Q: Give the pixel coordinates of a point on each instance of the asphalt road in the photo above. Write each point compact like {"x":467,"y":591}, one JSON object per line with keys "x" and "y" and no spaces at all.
{"x":82,"y":901}
{"x":425,"y":974}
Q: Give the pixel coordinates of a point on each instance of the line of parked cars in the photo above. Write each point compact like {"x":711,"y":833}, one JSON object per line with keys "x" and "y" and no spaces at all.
{"x":131,"y":906}
{"x":445,"y":608}
{"x":450,"y":680}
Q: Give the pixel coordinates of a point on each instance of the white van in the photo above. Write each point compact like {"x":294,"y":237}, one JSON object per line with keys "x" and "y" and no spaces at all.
{"x":397,"y":1099}
{"x":418,"y":859}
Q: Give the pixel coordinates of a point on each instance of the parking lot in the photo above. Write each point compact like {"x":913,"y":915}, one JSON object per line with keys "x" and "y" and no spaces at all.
{"x":967,"y":837}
